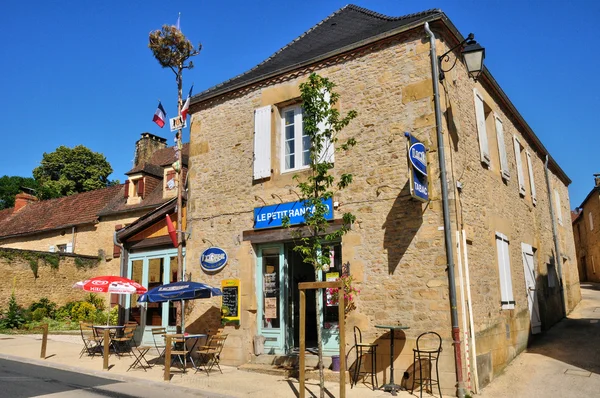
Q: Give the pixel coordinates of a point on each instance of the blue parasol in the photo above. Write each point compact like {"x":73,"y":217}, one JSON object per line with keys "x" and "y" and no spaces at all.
{"x":182,"y":290}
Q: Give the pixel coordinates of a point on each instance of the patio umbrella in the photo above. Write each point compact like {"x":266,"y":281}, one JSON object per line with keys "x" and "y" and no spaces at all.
{"x":110,"y":284}
{"x":182,"y":290}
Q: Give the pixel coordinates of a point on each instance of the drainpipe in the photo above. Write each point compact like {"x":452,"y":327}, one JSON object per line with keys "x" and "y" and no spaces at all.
{"x":558,"y":259}
{"x":73,"y":239}
{"x":121,"y":270}
{"x":446,"y":212}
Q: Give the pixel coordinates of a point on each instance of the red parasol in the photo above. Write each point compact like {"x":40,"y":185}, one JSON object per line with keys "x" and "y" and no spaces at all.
{"x":111,"y":284}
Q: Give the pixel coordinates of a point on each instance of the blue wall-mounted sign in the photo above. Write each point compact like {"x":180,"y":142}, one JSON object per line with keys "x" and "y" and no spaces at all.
{"x":213,"y":259}
{"x":417,"y":162}
{"x":272,"y":216}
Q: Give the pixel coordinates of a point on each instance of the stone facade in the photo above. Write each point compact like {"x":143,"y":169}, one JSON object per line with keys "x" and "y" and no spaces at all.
{"x":54,"y":284}
{"x":586,"y":227}
{"x":396,"y":247}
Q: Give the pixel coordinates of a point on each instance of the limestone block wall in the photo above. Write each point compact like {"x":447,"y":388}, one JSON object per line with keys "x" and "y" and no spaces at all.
{"x":54,"y":284}
{"x":487,"y":204}
{"x":588,"y":239}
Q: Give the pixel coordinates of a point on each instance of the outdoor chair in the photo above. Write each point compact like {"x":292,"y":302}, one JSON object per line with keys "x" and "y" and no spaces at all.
{"x":425,"y":356}
{"x":158,"y":336}
{"x":210,"y":354}
{"x":124,"y":343}
{"x":364,"y":349}
{"x":139,"y":352}
{"x":91,"y":342}
{"x":179,"y":350}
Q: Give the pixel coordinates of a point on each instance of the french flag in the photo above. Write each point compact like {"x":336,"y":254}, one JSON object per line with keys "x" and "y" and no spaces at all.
{"x":186,"y":106}
{"x":160,"y":115}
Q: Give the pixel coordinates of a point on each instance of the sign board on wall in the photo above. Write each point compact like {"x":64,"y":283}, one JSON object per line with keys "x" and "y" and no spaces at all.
{"x":272,"y":216}
{"x":230,"y":301}
{"x":213,"y":259}
{"x":177,"y":123}
{"x":417,"y":164}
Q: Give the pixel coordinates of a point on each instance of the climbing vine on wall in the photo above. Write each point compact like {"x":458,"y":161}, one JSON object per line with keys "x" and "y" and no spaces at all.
{"x":52,"y":260}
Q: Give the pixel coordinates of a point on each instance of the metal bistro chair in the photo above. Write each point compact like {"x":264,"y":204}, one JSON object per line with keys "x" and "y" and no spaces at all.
{"x":361,"y":350}
{"x":429,"y":347}
{"x":91,"y":342}
{"x":210,"y":354}
{"x":124,"y":343}
{"x":179,"y":350}
{"x":158,"y":336}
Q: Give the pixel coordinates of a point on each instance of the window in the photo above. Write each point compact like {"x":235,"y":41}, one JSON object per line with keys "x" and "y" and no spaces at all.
{"x":296,"y":144}
{"x":507,"y":299}
{"x":531,"y":180}
{"x":501,"y":148}
{"x":558,"y":207}
{"x":65,"y":248}
{"x":520,"y":175}
{"x":591,"y":220}
{"x":170,"y":180}
{"x":481,"y":129}
{"x":551,"y":274}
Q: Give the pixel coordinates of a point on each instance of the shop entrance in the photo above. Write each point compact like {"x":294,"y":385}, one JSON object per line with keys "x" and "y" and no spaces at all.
{"x":301,"y":272}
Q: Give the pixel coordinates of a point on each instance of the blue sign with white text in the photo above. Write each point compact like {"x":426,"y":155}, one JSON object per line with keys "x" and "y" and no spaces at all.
{"x":272,"y":216}
{"x":213,"y":259}
{"x":417,"y":155}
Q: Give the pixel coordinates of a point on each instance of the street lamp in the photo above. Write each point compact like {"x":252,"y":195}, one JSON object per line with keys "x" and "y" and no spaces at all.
{"x":473,"y":55}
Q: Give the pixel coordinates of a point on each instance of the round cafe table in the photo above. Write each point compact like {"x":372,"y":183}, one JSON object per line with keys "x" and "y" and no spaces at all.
{"x":391,"y":386}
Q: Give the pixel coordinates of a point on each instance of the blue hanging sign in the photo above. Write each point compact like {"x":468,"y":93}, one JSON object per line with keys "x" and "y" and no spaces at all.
{"x":417,"y":157}
{"x":213,"y":259}
{"x":272,"y":216}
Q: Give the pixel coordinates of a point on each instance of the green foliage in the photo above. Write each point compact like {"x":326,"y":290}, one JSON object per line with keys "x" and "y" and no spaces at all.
{"x":86,"y":263}
{"x":171,"y":48}
{"x":33,"y":258}
{"x":96,"y":301}
{"x":38,"y":314}
{"x":13,"y":318}
{"x":64,"y":312}
{"x":322,"y":123}
{"x":113,"y":316}
{"x":71,"y":170}
{"x":350,"y":292}
{"x":11,"y":186}
{"x":48,"y":306}
{"x":83,"y":311}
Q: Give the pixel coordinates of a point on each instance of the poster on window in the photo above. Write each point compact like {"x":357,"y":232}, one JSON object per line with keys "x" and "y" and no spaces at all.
{"x":270,"y":283}
{"x":271,"y":307}
{"x":330,"y":300}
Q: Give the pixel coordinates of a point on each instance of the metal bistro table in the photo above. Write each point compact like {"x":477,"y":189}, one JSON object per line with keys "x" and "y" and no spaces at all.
{"x":391,"y":386}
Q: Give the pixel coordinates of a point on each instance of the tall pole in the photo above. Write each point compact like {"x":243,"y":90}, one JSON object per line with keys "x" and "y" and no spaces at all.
{"x":179,"y":147}
{"x":446,"y":212}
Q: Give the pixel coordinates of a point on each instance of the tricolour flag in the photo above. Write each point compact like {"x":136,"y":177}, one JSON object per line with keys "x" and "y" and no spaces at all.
{"x":160,"y":115}
{"x":186,"y":106}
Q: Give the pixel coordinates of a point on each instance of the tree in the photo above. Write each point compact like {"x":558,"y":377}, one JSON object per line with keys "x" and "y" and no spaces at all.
{"x":322,"y":123}
{"x":173,"y":50}
{"x":11,"y":186}
{"x":67,"y":171}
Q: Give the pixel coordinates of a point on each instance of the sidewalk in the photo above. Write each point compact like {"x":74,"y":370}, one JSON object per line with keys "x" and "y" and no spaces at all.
{"x":562,"y":362}
{"x":63,"y":353}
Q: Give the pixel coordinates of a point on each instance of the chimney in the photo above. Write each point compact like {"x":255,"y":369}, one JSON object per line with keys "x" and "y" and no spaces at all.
{"x":23,"y":199}
{"x":146,"y":146}
{"x":597,"y":180}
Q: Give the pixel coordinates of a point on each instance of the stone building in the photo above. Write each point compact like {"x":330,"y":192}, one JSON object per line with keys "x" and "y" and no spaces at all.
{"x":587,"y":237}
{"x":245,"y":133}
{"x":85,"y":223}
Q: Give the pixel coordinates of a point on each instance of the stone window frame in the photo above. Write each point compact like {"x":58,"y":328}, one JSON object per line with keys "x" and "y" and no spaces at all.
{"x":299,"y":148}
{"x":133,"y":197}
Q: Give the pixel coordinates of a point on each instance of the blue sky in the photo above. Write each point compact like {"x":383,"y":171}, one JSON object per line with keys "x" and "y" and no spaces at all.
{"x":80,"y":72}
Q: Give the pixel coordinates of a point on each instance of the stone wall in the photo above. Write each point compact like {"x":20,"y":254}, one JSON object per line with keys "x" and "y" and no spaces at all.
{"x":588,"y":239}
{"x":396,"y":247}
{"x":52,"y":283}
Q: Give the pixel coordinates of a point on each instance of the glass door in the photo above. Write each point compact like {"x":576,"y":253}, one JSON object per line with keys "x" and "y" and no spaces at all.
{"x":270,"y":293}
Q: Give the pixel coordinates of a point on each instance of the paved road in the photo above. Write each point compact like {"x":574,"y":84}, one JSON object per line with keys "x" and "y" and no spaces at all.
{"x":23,"y":380}
{"x":562,"y":362}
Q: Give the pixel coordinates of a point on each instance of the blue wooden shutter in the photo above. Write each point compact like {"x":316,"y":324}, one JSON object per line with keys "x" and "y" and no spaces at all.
{"x":262,"y":142}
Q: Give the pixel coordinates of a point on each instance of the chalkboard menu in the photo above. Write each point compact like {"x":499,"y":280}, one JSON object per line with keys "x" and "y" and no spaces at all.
{"x":230,"y":304}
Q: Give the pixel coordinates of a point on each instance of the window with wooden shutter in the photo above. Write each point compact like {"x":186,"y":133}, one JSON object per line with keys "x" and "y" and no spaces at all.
{"x":69,"y":248}
{"x":481,"y":129}
{"x":126,"y":194}
{"x":117,"y":248}
{"x":531,"y":180}
{"x":520,"y":175}
{"x":558,"y":207}
{"x":295,"y":150}
{"x":170,"y":180}
{"x":140,"y":187}
{"x":501,"y":148}
{"x":262,"y":142}
{"x":507,"y":299}
{"x":327,"y":152}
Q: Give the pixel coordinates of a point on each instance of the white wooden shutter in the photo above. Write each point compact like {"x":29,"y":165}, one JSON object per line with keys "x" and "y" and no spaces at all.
{"x":327,"y":152}
{"x":262,"y":142}
{"x":531,"y":180}
{"x":519,"y":165}
{"x":558,"y":207}
{"x":69,"y":247}
{"x":502,"y":148}
{"x":481,"y":130}
{"x":507,"y":299}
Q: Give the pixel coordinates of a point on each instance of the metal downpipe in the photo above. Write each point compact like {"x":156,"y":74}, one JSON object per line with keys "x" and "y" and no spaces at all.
{"x":446,"y":213}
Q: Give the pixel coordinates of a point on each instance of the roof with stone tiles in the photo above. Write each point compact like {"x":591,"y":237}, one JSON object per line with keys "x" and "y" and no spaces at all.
{"x":52,"y":214}
{"x":345,"y":27}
